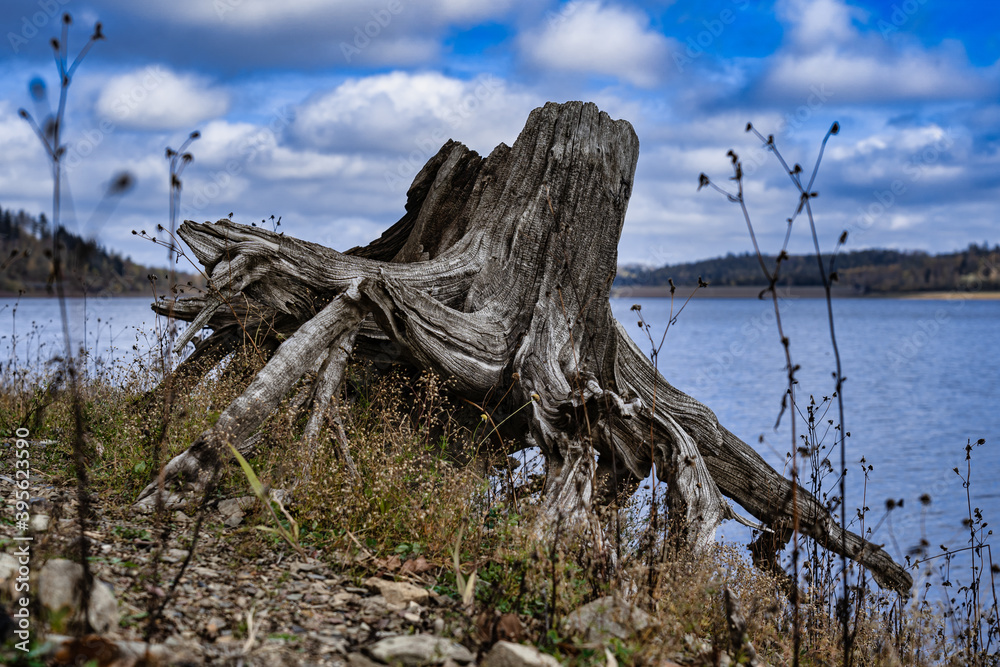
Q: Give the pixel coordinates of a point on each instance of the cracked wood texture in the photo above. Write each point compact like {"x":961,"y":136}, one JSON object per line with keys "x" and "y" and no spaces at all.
{"x":498,"y":275}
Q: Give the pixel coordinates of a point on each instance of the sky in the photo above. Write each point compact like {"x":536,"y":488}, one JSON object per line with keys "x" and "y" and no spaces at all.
{"x":322,"y":112}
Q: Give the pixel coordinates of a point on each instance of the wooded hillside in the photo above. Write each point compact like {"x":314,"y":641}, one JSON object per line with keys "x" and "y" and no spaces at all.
{"x":864,"y":271}
{"x":25,"y":264}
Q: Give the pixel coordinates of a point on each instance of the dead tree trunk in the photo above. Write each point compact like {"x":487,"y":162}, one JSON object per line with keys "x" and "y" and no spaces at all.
{"x":498,"y":275}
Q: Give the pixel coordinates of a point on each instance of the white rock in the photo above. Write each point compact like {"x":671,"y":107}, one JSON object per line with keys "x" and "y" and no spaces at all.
{"x":8,"y":573}
{"x":232,"y":510}
{"x":607,"y":617}
{"x":59,"y":594}
{"x":419,"y":650}
{"x":508,"y":654}
{"x":174,"y":555}
{"x":39,"y":523}
{"x":398,"y":592}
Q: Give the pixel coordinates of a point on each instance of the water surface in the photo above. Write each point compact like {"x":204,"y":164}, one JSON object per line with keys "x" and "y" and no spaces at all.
{"x":923,"y":378}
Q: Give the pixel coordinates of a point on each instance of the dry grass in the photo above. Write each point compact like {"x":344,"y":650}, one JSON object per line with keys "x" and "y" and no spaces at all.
{"x":423,"y":493}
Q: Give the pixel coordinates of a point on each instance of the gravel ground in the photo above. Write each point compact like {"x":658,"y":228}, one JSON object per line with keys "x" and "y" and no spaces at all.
{"x":277,"y":608}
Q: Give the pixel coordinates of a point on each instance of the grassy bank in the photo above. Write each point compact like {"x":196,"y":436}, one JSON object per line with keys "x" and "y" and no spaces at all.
{"x":432,"y":506}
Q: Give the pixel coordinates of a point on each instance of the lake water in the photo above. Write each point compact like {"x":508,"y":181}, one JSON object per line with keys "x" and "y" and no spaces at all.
{"x":923,"y":378}
{"x":117,"y":330}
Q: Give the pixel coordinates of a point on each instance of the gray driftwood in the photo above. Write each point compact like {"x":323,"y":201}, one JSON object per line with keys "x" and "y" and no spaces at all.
{"x":498,"y":275}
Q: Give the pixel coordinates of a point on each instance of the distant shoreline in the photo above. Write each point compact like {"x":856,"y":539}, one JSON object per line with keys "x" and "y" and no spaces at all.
{"x":801,"y":292}
{"x":95,"y":296}
{"x":663,"y":292}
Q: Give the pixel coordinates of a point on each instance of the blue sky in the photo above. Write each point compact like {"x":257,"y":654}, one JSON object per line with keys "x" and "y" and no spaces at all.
{"x":306,"y":116}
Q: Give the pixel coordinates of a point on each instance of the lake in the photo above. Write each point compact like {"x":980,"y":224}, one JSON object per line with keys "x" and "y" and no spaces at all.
{"x":923,"y":378}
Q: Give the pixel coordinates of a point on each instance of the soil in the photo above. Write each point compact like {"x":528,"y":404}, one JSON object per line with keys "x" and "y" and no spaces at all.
{"x":237,"y":602}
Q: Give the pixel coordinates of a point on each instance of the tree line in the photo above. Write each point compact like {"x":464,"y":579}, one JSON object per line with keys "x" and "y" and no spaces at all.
{"x":863,"y":271}
{"x":26,"y":243}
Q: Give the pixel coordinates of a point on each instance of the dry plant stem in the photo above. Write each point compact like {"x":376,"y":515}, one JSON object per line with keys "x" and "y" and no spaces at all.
{"x":674,"y":525}
{"x":156,"y":613}
{"x":974,"y":583}
{"x":806,"y":194}
{"x":79,"y":459}
{"x":161,"y":525}
{"x":55,"y":150}
{"x":479,"y":281}
{"x":790,"y":369}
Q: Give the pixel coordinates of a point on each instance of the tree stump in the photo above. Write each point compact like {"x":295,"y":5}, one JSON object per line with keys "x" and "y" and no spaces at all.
{"x":498,"y":274}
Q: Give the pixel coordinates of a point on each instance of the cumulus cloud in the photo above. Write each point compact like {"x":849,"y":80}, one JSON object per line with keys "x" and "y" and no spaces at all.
{"x":400,"y":111}
{"x":874,"y":76}
{"x":337,"y":164}
{"x":812,"y":23}
{"x":24,"y":171}
{"x":254,"y":14}
{"x":825,"y":47}
{"x":589,"y":37}
{"x":155,"y":98}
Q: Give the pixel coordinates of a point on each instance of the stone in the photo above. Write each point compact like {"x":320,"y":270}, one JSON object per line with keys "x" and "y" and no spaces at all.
{"x":418,"y":565}
{"x":8,"y":573}
{"x":59,"y":594}
{"x":90,"y":650}
{"x":419,"y":650}
{"x":40,"y":505}
{"x":398,"y":592}
{"x":342,"y":599}
{"x":508,"y":654}
{"x":358,"y":660}
{"x":232,"y":510}
{"x":39,"y":523}
{"x":605,"y":618}
{"x":174,"y":555}
{"x":171,"y":501}
{"x":213,"y":627}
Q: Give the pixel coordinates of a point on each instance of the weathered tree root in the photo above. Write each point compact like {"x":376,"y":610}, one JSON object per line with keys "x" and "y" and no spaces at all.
{"x":499,"y":275}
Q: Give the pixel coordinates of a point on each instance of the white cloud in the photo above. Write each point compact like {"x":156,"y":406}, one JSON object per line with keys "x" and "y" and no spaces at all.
{"x":590,"y":37}
{"x":853,"y":77}
{"x":262,"y":14}
{"x":417,"y":49}
{"x":400,"y":112}
{"x":470,"y":10}
{"x":155,"y":98}
{"x":814,"y":23}
{"x":24,"y":171}
{"x":825,"y":47}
